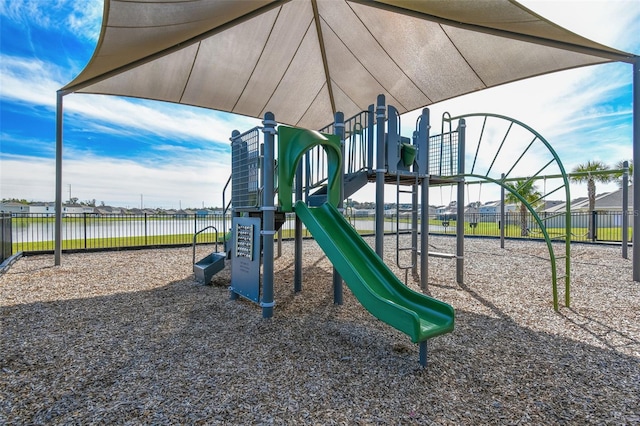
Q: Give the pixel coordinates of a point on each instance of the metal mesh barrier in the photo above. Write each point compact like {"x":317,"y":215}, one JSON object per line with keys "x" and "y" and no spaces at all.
{"x":443,"y":154}
{"x":245,"y":160}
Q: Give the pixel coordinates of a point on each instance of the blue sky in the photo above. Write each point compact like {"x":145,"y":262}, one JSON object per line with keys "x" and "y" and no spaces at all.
{"x":123,"y":151}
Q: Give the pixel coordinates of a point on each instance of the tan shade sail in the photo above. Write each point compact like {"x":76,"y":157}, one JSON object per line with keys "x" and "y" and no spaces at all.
{"x":304,"y":60}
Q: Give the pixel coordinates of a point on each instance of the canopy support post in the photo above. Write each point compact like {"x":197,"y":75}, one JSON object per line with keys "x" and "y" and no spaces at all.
{"x":636,"y":171}
{"x":58,"y":204}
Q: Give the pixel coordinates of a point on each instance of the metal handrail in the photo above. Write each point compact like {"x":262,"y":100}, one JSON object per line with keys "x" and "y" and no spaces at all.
{"x":196,"y":235}
{"x":225,"y":206}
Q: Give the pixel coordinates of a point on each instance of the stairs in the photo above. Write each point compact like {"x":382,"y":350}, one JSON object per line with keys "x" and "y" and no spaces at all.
{"x":352,"y":183}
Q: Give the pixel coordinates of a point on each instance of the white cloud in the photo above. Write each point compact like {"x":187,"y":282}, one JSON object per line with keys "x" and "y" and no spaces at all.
{"x":86,"y":18}
{"x":613,"y":22}
{"x":27,"y":81}
{"x":34,"y":82}
{"x":82,"y":18}
{"x":562,"y":107}
{"x":118,"y":182}
{"x":156,"y":118}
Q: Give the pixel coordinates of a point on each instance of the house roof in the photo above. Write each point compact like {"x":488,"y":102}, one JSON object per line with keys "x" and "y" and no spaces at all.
{"x":609,"y":201}
{"x":304,"y":60}
{"x":13,"y":204}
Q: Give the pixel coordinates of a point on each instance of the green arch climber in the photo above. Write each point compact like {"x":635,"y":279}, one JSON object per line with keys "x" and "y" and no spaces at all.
{"x":293,"y":143}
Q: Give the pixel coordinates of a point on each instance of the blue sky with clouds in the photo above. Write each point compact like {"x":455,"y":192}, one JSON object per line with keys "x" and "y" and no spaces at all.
{"x":123,"y":151}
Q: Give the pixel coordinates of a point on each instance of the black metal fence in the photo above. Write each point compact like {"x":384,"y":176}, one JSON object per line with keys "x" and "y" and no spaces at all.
{"x":607,"y":226}
{"x":5,"y":237}
{"x":88,"y":231}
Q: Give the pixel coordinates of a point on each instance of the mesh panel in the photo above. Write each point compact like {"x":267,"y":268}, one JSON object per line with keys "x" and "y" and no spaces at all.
{"x":443,"y":154}
{"x":245,"y":177}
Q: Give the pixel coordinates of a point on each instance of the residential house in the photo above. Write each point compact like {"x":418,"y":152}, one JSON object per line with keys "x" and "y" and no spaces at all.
{"x":44,"y":209}
{"x":16,"y":209}
{"x":608,"y":205}
{"x":106,"y":210}
{"x":204,"y":213}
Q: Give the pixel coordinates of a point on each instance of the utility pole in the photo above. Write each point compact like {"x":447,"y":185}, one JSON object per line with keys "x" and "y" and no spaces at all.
{"x":141,"y":202}
{"x":69,"y":185}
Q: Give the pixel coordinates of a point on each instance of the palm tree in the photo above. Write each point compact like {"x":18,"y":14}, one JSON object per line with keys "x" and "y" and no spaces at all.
{"x":587,"y":175}
{"x":527,"y":190}
{"x":618,"y":175}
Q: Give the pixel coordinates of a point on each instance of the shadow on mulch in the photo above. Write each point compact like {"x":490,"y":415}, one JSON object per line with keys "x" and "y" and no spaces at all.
{"x":185,"y":353}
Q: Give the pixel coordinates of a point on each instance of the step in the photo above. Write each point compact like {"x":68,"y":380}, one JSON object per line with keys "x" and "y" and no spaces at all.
{"x":442,"y":255}
{"x":352,"y":183}
{"x":207,"y":267}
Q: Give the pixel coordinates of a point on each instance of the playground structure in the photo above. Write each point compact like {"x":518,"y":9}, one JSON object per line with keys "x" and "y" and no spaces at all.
{"x":313,"y":172}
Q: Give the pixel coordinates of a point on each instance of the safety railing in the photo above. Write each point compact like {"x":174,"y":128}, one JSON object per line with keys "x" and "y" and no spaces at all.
{"x":358,"y":149}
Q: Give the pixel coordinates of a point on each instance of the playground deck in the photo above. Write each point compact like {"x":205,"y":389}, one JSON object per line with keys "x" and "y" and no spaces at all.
{"x":130,"y":337}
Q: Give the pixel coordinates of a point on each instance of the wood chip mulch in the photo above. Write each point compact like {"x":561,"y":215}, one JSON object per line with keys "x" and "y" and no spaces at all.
{"x":130,"y":337}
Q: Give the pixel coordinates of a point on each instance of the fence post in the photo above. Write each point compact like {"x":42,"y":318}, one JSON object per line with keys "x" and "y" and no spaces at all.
{"x":625,"y":210}
{"x":145,"y":229}
{"x":501,"y":222}
{"x":84,"y":219}
{"x":6,"y":243}
{"x":594,"y":230}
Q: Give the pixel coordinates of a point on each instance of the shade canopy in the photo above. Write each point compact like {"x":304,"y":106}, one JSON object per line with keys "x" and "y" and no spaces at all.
{"x":304,"y":60}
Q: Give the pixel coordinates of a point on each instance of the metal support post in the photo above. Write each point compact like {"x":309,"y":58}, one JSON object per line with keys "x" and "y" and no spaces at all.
{"x":380,"y":172}
{"x":423,"y":353}
{"x":279,"y":251}
{"x":423,"y":166}
{"x":460,"y":205}
{"x":339,"y":130}
{"x":307,"y":176}
{"x":424,"y":234}
{"x":414,"y":226}
{"x":235,"y":148}
{"x":268,"y":214}
{"x":58,"y":205}
{"x":297,"y":279}
{"x":371,"y":117}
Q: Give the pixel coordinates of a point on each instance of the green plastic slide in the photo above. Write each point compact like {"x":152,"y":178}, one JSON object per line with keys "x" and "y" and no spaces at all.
{"x":371,"y":281}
